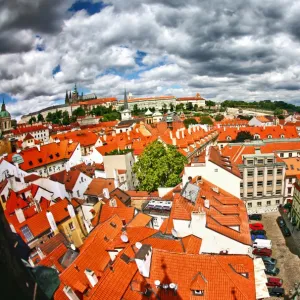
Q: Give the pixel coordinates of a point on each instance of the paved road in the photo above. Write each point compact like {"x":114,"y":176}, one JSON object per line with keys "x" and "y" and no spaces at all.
{"x":285,"y":250}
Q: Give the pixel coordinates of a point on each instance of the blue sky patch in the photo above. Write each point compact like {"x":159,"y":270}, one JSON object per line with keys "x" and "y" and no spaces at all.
{"x":139,"y":57}
{"x":89,"y":6}
{"x":56,"y":70}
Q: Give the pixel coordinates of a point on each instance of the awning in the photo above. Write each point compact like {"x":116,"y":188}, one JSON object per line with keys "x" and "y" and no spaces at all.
{"x":260,"y":279}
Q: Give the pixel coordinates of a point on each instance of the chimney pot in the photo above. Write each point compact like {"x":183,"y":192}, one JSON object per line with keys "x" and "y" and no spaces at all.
{"x":91,"y":276}
{"x":70,"y":293}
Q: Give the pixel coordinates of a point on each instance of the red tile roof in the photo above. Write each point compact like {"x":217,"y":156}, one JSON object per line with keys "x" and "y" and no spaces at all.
{"x":69,"y":179}
{"x":49,"y":153}
{"x":141,"y":220}
{"x":21,"y":129}
{"x":97,"y":185}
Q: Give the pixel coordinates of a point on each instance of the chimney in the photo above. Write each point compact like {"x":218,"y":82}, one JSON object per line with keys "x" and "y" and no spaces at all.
{"x":40,"y":253}
{"x":113,"y":202}
{"x":182,"y":133}
{"x":198,"y":222}
{"x":189,"y":130}
{"x":38,"y":147}
{"x":71,"y":210}
{"x":91,"y":276}
{"x":51,"y":221}
{"x":174,"y":141}
{"x":171,"y":135}
{"x":194,"y":128}
{"x":20,"y":215}
{"x":206,"y":203}
{"x":224,"y":128}
{"x":70,"y":293}
{"x":143,"y":260}
{"x":70,"y":141}
{"x":178,"y":134}
{"x":105,"y":193}
{"x":104,"y":137}
{"x":257,"y":150}
{"x":113,"y":133}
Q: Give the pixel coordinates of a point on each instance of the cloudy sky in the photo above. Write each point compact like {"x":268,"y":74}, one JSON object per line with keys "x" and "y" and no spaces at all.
{"x":224,"y":49}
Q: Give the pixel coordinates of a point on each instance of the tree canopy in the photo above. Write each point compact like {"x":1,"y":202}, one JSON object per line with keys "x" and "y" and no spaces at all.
{"x":242,"y":136}
{"x":159,"y":166}
{"x":206,"y":120}
{"x":219,"y":117}
{"x":210,"y":103}
{"x":188,"y":122}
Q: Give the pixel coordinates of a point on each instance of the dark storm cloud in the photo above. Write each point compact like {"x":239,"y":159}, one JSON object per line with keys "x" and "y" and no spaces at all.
{"x":35,"y":16}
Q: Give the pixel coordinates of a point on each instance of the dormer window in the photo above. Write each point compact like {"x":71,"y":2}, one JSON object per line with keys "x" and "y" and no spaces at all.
{"x":256,"y":136}
{"x":228,"y":138}
{"x":269,"y":136}
{"x":198,"y":292}
{"x":282,"y":136}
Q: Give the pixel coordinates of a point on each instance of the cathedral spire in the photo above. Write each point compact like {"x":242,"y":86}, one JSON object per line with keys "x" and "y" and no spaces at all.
{"x":3,"y":108}
{"x":125,"y":100}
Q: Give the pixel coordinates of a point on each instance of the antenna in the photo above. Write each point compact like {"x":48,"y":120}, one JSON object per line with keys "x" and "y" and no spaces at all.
{"x":124,"y":238}
{"x":157,"y":283}
{"x":73,"y":247}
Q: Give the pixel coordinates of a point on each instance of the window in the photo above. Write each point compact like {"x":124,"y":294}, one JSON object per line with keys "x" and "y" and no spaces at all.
{"x":268,"y":203}
{"x":250,"y":173}
{"x":289,"y":190}
{"x":279,"y":172}
{"x":250,"y":195}
{"x":27,"y":233}
{"x":260,"y":173}
{"x":250,"y":162}
{"x":250,"y":184}
{"x":259,"y":183}
{"x":269,"y":182}
{"x":278,"y":182}
{"x":78,"y":194}
{"x":290,"y":154}
{"x":71,"y":226}
{"x":249,"y":204}
{"x":290,"y":180}
{"x":3,"y":198}
{"x":277,"y":201}
{"x":259,"y":204}
{"x":259,"y":194}
{"x":270,"y":172}
{"x":241,"y":195}
{"x":198,"y":292}
{"x":260,"y":161}
{"x":270,"y":160}
{"x":281,"y":154}
{"x":278,"y":192}
{"x":241,"y":185}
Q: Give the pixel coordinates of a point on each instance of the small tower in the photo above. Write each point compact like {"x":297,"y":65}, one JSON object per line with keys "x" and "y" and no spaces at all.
{"x":125,"y":113}
{"x":5,"y":119}
{"x":67,"y":98}
{"x":75,"y":94}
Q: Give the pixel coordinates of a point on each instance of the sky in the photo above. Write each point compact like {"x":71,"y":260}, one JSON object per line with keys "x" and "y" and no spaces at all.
{"x":223,"y":49}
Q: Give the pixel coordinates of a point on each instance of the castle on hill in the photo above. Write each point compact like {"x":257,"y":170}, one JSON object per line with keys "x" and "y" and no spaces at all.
{"x":74,"y":97}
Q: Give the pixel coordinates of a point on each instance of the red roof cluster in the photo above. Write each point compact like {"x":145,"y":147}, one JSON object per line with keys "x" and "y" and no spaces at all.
{"x":21,"y":129}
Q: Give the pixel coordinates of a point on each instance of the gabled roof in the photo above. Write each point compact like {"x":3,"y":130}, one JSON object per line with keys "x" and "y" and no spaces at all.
{"x":49,"y":153}
{"x":69,"y":179}
{"x":140,"y":220}
{"x":97,"y":185}
{"x":14,"y":202}
{"x":49,"y":245}
{"x":21,"y":129}
{"x":28,"y":137}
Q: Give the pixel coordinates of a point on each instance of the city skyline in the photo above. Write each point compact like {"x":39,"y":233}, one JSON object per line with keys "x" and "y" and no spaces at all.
{"x":223,"y":50}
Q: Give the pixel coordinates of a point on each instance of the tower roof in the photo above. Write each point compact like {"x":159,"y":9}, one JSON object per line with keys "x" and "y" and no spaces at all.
{"x":125,"y":100}
{"x":4,"y":113}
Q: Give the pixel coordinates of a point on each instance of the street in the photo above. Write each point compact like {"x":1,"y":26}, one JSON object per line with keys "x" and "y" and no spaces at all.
{"x":285,"y":250}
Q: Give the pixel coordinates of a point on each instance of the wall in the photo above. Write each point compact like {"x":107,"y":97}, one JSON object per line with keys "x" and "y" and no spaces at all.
{"x":81,"y":185}
{"x":58,"y":189}
{"x":216,"y":175}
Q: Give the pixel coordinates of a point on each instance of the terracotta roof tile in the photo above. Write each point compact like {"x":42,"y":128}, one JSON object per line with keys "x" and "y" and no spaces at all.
{"x":140,"y":220}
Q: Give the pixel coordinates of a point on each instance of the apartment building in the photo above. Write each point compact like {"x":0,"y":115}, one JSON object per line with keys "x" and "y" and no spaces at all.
{"x":295,"y":212}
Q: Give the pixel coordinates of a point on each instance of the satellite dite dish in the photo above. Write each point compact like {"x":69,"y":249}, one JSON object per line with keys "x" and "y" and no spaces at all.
{"x":17,"y":158}
{"x":124,"y":238}
{"x":157,"y":282}
{"x":174,"y":233}
{"x":73,"y":247}
{"x":138,"y":245}
{"x":172,"y":285}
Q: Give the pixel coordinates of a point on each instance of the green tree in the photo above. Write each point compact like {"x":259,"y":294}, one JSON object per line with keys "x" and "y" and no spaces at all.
{"x":180,"y":106}
{"x":278,"y":112}
{"x":206,"y":120}
{"x":242,"y":136}
{"x":65,"y":118}
{"x":171,"y":107}
{"x":188,"y":122}
{"x":219,"y":117}
{"x":40,"y":118}
{"x":79,"y":112}
{"x":209,"y":103}
{"x":159,"y":166}
{"x":49,"y":117}
{"x":164,"y":108}
{"x":196,"y":107}
{"x":32,"y":120}
{"x":189,"y":106}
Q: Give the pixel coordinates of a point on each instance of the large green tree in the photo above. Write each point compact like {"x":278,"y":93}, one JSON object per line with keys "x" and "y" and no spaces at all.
{"x":40,"y":118}
{"x":159,"y":166}
{"x":206,"y":120}
{"x":189,"y":121}
{"x":242,"y":136}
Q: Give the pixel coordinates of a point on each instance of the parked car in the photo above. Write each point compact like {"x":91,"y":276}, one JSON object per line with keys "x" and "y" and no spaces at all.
{"x":281,"y":222}
{"x":271,"y":270}
{"x":259,"y":236}
{"x":276,"y":291}
{"x":285,"y":231}
{"x":262,"y":251}
{"x":256,"y":217}
{"x":256,"y":232}
{"x":256,"y":226}
{"x":273,"y":281}
{"x":269,"y":260}
{"x":259,"y":243}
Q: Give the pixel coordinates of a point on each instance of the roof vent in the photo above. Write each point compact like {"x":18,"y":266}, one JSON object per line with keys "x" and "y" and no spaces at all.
{"x":138,"y":245}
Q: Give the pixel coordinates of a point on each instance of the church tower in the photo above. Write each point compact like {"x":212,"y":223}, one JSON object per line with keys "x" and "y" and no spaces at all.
{"x":125,"y":113}
{"x":5,"y":119}
{"x":75,"y":94}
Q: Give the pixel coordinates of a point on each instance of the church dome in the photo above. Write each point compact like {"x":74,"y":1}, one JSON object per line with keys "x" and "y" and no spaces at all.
{"x":4,"y":114}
